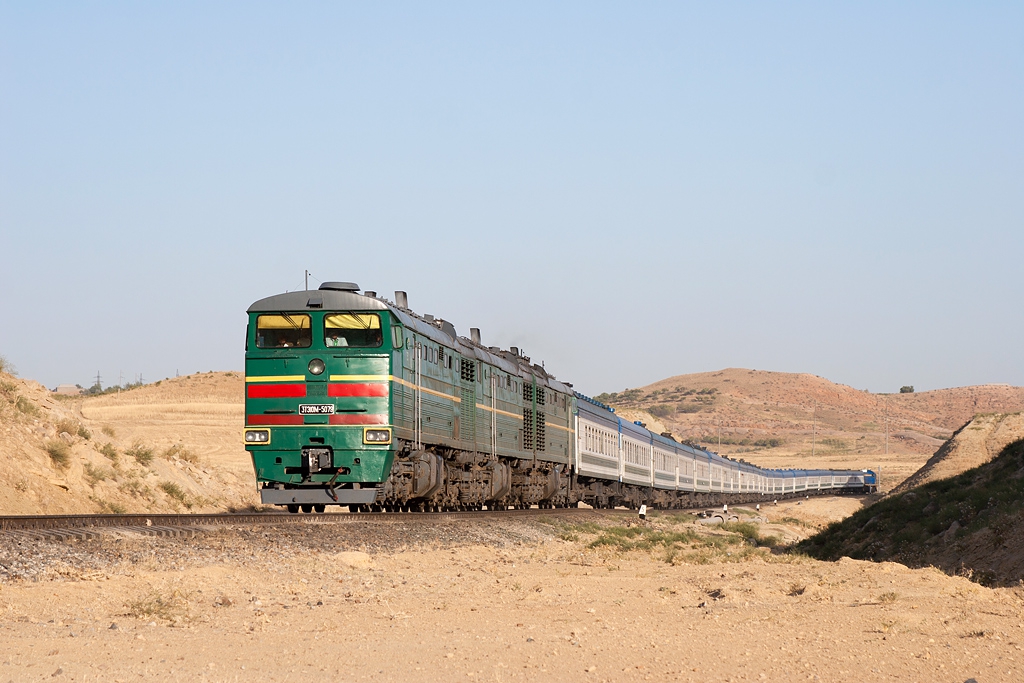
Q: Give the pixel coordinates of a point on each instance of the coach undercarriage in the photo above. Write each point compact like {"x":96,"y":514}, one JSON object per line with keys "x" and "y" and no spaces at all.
{"x":445,"y":479}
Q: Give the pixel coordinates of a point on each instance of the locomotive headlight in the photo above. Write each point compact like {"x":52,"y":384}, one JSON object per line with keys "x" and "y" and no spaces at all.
{"x":255,"y":436}
{"x":316,"y":366}
{"x":379,"y":436}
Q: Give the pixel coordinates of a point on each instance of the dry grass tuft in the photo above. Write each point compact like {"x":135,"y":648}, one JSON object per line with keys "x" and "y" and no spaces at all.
{"x":173,"y":607}
{"x":59,"y":452}
{"x":175,"y":492}
{"x":181,"y":452}
{"x":142,"y":453}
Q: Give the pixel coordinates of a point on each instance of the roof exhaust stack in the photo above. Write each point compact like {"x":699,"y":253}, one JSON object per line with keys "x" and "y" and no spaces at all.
{"x":514,"y":350}
{"x":370,"y":293}
{"x":402,"y":299}
{"x":474,"y":334}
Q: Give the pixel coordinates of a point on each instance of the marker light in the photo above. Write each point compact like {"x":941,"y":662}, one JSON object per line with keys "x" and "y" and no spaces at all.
{"x":316,"y":366}
{"x":377,"y":436}
{"x":257,"y":436}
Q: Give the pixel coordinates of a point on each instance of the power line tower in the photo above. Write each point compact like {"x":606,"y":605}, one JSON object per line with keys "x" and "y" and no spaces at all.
{"x":98,"y":385}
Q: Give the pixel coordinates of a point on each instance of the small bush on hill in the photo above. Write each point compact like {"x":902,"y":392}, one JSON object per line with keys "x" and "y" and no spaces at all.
{"x":175,"y":492}
{"x":143,"y":454}
{"x":662,"y":410}
{"x":182,"y":453}
{"x":59,"y":452}
{"x":26,"y":406}
{"x":109,"y":451}
{"x":907,"y":389}
{"x":97,"y":474}
{"x":7,"y":367}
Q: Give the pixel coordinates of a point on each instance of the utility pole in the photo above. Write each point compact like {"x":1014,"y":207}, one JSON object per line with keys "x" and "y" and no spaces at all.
{"x":307,"y":280}
{"x":98,"y":380}
{"x":719,"y":433}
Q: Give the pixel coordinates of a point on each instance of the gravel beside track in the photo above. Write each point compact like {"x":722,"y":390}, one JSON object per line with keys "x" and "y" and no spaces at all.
{"x":73,"y":546}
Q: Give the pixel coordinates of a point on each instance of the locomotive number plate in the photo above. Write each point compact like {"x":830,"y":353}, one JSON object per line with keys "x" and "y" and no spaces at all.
{"x":316,"y":409}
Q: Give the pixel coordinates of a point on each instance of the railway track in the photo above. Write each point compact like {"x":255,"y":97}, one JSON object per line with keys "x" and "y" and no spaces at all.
{"x":86,"y":527}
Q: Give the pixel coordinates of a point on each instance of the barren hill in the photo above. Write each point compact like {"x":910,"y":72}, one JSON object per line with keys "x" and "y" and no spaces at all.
{"x":173,"y":445}
{"x":974,"y":444}
{"x":778,"y":419}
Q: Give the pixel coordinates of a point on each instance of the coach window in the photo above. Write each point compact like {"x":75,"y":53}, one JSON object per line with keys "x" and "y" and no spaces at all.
{"x":283,"y":330}
{"x":360,"y":330}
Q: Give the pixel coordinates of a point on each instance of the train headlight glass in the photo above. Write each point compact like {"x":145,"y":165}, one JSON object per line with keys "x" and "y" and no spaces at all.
{"x":316,"y":367}
{"x":377,"y":436}
{"x":257,"y":436}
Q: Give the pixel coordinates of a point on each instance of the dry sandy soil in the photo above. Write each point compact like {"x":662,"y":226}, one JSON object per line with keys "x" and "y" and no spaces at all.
{"x":509,"y":600}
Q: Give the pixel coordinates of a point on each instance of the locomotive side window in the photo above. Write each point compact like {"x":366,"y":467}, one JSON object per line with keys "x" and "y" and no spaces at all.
{"x":396,"y":336}
{"x":282,"y":331}
{"x":361,"y":330}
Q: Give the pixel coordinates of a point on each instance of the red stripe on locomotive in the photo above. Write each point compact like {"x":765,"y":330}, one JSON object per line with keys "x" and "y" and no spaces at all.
{"x":274,"y":419}
{"x":276,"y":390}
{"x":356,"y":389}
{"x":359,"y":419}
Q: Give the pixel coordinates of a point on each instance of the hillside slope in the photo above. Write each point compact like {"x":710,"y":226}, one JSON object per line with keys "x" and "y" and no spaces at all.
{"x":169,"y":446}
{"x":971,"y":524}
{"x":974,"y":444}
{"x":778,"y":419}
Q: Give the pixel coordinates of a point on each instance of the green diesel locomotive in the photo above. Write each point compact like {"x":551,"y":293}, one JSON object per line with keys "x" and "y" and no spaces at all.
{"x":351,"y":399}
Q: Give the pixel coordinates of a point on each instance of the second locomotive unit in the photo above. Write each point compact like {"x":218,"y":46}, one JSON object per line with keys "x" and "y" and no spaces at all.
{"x":355,"y":400}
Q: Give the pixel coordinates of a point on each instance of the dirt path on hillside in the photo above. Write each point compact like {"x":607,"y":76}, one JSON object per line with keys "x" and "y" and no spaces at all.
{"x":497,"y":601}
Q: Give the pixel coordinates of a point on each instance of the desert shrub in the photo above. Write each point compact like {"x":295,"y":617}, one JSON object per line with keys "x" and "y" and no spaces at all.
{"x":662,"y":410}
{"x":113,"y":508}
{"x":768,"y":443}
{"x":684,"y":407}
{"x":97,"y":474}
{"x":907,"y":389}
{"x":142,"y":453}
{"x":67,"y":425}
{"x":26,"y":406}
{"x":752,"y":532}
{"x":83,"y":432}
{"x":59,"y":452}
{"x":7,"y":367}
{"x":181,"y":452}
{"x":136,"y":488}
{"x":175,"y":492}
{"x":171,"y":607}
{"x":109,"y":451}
{"x":835,"y":444}
{"x":9,"y":390}
{"x":108,"y":430}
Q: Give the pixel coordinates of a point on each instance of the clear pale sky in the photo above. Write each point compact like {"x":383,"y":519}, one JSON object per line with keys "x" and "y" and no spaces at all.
{"x":627,"y":191}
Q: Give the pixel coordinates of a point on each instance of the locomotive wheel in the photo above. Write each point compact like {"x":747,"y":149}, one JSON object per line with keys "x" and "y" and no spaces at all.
{"x":319,"y":507}
{"x":294,"y":509}
{"x":307,"y":508}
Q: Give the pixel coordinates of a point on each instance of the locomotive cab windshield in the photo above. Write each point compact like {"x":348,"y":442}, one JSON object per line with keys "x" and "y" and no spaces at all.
{"x":360,"y":330}
{"x":284,"y":330}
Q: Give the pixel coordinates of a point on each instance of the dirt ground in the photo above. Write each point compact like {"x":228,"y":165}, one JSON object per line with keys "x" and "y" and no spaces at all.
{"x":519,"y":599}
